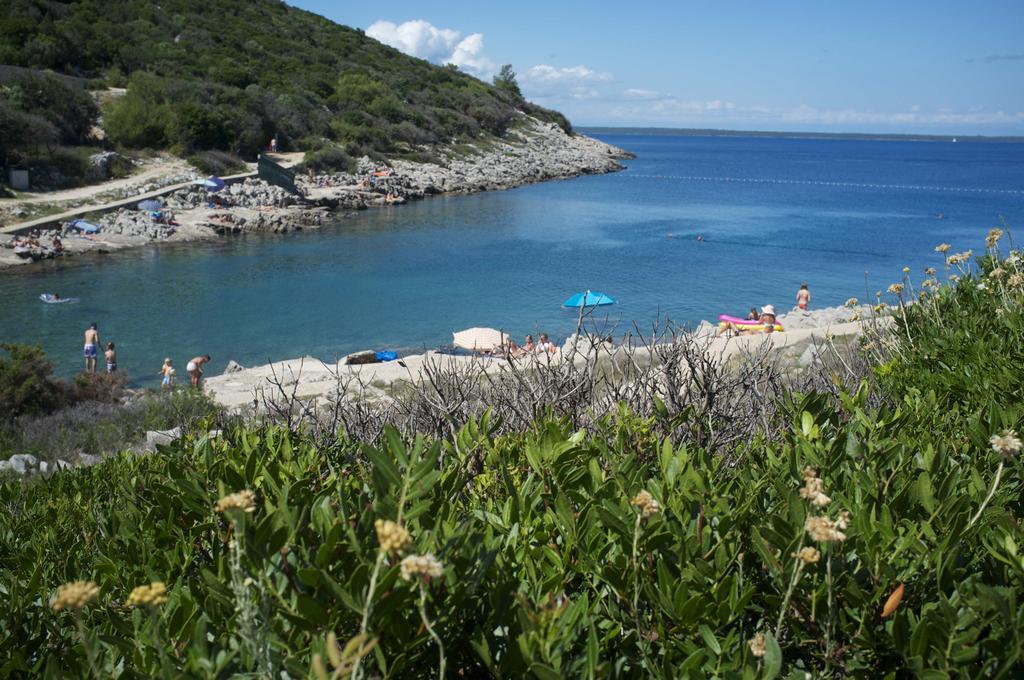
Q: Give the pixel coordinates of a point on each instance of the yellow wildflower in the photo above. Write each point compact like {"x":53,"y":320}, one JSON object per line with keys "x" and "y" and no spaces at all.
{"x":240,"y":500}
{"x":929,"y":271}
{"x":906,"y":270}
{"x":993,"y":237}
{"x":74,"y":595}
{"x":1006,"y":444}
{"x":425,"y":567}
{"x":1016,"y":280}
{"x":852,"y":302}
{"x":896,"y":288}
{"x":997,"y":273}
{"x":757,"y":646}
{"x":153,"y":595}
{"x":959,"y":258}
{"x":809,"y":555}
{"x":394,"y":539}
{"x":942,"y":248}
{"x":645,"y":501}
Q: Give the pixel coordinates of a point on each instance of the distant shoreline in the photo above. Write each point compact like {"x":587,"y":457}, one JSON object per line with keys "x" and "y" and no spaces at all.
{"x":863,"y":136}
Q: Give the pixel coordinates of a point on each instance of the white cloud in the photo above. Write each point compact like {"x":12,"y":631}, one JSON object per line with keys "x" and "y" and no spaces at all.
{"x":644,"y":107}
{"x":422,"y":39}
{"x":544,"y":73}
{"x":551,"y":83}
{"x":639,"y":94}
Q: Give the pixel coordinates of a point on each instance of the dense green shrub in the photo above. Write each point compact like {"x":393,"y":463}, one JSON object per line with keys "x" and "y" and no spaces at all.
{"x":27,"y":385}
{"x":216,"y":163}
{"x":142,"y":118}
{"x":38,"y":114}
{"x":876,"y":536}
{"x":229,"y":75}
{"x":71,"y":111}
{"x":99,"y":427}
{"x":329,"y":159}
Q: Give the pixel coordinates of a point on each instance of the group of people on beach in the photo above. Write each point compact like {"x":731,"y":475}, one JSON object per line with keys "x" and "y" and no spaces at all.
{"x":542,"y":346}
{"x":766,"y":319}
{"x":90,"y":353}
{"x":33,"y":245}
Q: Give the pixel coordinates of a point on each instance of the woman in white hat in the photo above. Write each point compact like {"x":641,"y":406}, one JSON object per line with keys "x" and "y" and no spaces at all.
{"x":767,"y":320}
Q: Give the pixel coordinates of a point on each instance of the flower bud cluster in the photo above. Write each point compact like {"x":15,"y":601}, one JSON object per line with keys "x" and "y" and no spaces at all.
{"x":813,"y":489}
{"x":394,"y":539}
{"x":240,"y":500}
{"x":74,"y":596}
{"x":1006,"y":444}
{"x":425,"y":567}
{"x":646,"y":503}
{"x":153,"y":595}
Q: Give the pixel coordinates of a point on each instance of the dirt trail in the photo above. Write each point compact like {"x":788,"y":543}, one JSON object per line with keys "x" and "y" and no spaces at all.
{"x":24,"y":211}
{"x":162,"y":168}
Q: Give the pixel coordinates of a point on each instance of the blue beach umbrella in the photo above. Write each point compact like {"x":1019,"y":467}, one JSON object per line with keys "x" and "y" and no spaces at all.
{"x":212,"y":184}
{"x":589,"y":299}
{"x":83,"y":226}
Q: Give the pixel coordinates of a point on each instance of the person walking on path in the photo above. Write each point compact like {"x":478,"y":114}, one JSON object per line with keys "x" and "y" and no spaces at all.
{"x":803,"y":296}
{"x":92,"y":343}
{"x":195,"y":369}
{"x":111,"y":356}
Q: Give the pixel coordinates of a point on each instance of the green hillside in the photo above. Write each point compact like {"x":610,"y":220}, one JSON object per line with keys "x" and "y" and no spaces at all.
{"x":229,"y":75}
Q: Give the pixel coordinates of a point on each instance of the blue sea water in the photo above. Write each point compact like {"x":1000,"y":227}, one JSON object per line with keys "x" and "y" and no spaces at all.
{"x":843,"y":215}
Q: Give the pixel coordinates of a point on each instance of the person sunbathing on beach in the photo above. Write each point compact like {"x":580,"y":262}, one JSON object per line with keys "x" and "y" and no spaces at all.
{"x":545,"y":346}
{"x":753,"y":315}
{"x":767,"y":319}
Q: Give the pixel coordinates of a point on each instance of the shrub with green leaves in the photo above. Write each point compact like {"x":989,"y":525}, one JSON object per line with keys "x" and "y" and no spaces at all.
{"x":879,"y":536}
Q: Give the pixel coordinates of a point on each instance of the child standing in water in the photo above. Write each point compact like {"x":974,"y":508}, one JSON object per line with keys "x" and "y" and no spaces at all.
{"x":111,"y":356}
{"x":803,"y":296}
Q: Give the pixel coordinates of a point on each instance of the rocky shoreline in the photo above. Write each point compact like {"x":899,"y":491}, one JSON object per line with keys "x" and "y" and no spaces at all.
{"x":799,"y":346}
{"x":534,"y":152}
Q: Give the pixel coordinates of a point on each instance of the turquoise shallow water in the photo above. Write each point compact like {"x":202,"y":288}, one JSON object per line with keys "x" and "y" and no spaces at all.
{"x":773,"y":213}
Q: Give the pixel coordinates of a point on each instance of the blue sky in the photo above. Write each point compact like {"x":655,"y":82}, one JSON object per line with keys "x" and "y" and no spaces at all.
{"x":904,"y":66}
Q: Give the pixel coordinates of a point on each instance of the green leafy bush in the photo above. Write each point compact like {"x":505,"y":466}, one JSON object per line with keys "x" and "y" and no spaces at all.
{"x":27,"y":385}
{"x":878,"y":535}
{"x":216,"y":163}
{"x":232,"y":74}
{"x":329,"y":159}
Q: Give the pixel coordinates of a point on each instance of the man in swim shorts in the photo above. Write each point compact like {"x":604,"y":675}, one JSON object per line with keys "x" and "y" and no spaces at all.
{"x":195,"y":369}
{"x":92,"y":341}
{"x":803,"y":296}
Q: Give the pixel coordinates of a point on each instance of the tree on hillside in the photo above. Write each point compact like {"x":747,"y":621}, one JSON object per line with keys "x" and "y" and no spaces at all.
{"x":506,"y":80}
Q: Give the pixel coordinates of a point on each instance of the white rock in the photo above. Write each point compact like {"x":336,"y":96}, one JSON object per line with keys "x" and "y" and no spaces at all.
{"x":23,"y":463}
{"x":156,"y":438}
